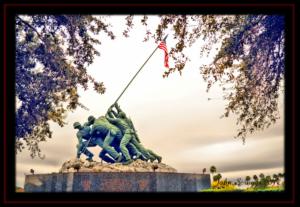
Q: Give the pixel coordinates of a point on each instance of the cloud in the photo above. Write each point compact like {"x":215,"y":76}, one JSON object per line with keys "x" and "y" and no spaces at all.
{"x":233,"y":156}
{"x":250,"y":166}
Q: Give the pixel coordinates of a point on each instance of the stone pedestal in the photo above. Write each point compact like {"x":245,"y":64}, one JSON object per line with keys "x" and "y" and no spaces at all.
{"x":117,"y":182}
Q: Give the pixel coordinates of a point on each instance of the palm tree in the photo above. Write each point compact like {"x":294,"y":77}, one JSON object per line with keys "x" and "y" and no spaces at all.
{"x":219,"y":176}
{"x":262,"y":176}
{"x":32,"y":171}
{"x":213,"y":169}
{"x":280,"y":175}
{"x":276,"y":178}
{"x":215,"y":177}
{"x":268,"y":179}
{"x":255,"y":178}
{"x":247,"y":179}
{"x":239,"y":181}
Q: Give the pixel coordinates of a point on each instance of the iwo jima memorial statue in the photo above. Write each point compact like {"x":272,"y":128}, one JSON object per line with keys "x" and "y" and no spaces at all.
{"x":128,"y":166}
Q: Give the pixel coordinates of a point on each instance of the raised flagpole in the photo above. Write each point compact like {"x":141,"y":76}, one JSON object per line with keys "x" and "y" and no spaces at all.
{"x":85,"y":147}
{"x":138,"y":72}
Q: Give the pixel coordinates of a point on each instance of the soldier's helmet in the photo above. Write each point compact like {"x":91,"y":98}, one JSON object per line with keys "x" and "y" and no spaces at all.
{"x":76,"y":125}
{"x":122,"y":115}
{"x":91,"y":119}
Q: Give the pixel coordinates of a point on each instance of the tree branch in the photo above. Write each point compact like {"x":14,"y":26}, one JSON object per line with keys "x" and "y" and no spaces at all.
{"x":29,"y":25}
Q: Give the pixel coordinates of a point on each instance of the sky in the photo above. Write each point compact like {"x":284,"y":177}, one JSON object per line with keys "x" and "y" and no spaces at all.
{"x":173,"y":115}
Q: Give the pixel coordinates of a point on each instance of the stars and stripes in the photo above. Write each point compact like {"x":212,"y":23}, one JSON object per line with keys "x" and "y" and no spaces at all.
{"x":163,"y":46}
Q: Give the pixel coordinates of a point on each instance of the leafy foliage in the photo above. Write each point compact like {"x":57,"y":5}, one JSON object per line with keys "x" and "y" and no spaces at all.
{"x":249,"y":65}
{"x":261,"y":183}
{"x":213,"y":169}
{"x":247,"y":179}
{"x":265,"y":181}
{"x":223,"y":185}
{"x":217,"y":177}
{"x":52,"y":53}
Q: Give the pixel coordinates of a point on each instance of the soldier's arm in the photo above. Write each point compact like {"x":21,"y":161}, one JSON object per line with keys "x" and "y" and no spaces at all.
{"x":115,"y":114}
{"x":79,"y":137}
{"x":118,"y":108}
{"x":111,"y":120}
{"x":110,"y":114}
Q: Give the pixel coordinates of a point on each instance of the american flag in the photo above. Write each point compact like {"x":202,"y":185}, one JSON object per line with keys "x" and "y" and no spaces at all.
{"x":163,"y":46}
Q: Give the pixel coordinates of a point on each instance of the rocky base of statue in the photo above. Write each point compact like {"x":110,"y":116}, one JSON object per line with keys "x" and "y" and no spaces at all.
{"x":79,"y":165}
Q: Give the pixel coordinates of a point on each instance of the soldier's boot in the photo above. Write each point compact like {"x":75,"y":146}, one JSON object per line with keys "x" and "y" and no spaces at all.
{"x":144,"y":158}
{"x":157,"y":157}
{"x":104,"y":157}
{"x":119,"y":158}
{"x":152,"y":159}
{"x":123,"y":159}
{"x":134,"y":152}
{"x":138,"y":156}
{"x":90,"y":159}
{"x":127,"y":162}
{"x":89,"y":155}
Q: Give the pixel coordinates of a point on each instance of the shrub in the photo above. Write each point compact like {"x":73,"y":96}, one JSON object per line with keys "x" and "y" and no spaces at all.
{"x":223,"y":184}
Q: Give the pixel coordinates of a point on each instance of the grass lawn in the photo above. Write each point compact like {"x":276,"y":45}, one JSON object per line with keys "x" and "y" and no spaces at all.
{"x":268,"y":189}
